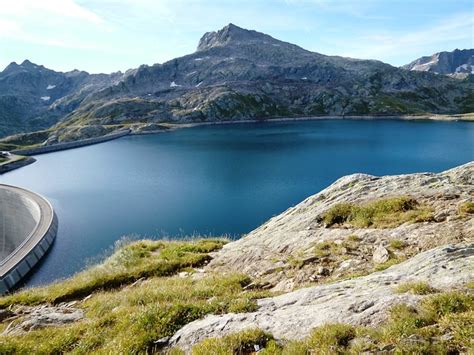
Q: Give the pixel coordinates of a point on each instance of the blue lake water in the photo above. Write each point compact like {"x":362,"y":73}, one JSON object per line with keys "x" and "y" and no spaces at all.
{"x":218,"y":179}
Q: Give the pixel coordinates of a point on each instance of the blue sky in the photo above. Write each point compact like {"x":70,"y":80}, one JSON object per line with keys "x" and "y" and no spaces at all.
{"x":111,"y":35}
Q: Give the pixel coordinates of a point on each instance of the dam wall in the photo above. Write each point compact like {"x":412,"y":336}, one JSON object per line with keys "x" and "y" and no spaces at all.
{"x":71,"y":145}
{"x":28,"y":226}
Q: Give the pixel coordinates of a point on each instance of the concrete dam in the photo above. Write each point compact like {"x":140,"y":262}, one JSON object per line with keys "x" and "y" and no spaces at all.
{"x":28,"y":226}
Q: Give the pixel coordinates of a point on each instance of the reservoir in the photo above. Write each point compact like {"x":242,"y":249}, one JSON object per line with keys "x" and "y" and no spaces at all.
{"x":216,"y":180}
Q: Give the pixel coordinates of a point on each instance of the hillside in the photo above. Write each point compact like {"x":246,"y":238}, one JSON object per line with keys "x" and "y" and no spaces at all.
{"x":33,"y":97}
{"x":234,"y":74}
{"x":369,"y":264}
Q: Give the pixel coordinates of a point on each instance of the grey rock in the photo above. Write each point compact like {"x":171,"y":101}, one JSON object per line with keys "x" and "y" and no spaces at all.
{"x":31,"y":318}
{"x":323,"y":271}
{"x":458,"y":62}
{"x":380,"y":255}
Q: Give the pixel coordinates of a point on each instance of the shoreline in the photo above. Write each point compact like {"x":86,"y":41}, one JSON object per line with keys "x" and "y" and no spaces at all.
{"x":17,"y":163}
{"x":443,"y":118}
{"x":175,"y":126}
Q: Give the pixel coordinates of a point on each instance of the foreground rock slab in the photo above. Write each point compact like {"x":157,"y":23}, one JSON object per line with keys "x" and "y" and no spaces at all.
{"x":26,"y":318}
{"x":360,"y":301}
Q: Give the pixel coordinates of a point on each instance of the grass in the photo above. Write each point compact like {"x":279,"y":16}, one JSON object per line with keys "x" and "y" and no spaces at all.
{"x":466,"y":208}
{"x":417,"y":288}
{"x":383,"y":213}
{"x":408,"y":330}
{"x":390,"y":262}
{"x":245,"y":342}
{"x":129,"y":319}
{"x":128,"y":264}
{"x":397,"y":244}
{"x":330,"y":248}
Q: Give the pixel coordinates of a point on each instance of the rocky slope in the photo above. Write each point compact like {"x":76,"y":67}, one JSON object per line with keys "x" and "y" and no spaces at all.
{"x":290,"y":249}
{"x":236,"y":74}
{"x":268,"y":255}
{"x":34,"y":97}
{"x":458,"y":62}
{"x":361,"y":301}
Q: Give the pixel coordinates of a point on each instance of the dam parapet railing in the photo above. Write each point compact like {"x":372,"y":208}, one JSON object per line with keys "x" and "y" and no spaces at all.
{"x":28,"y":228}
{"x":71,"y":145}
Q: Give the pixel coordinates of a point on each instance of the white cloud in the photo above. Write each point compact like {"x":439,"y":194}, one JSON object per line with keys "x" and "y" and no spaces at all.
{"x":47,"y":22}
{"x":385,"y":45}
{"x":28,"y":8}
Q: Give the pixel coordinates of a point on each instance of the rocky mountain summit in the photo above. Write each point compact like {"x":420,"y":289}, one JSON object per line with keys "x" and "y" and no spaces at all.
{"x":459,"y":63}
{"x":234,"y":74}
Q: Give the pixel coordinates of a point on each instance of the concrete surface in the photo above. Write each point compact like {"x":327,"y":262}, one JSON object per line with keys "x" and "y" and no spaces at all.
{"x":28,"y":226}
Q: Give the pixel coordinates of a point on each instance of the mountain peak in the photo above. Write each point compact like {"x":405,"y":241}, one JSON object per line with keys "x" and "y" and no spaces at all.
{"x":229,"y":34}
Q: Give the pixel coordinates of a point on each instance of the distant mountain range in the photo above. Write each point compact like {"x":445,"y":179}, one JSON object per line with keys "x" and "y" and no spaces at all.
{"x":234,"y":74}
{"x":458,"y":62}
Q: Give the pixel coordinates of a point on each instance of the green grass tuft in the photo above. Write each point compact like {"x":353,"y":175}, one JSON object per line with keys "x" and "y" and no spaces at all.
{"x":417,"y":288}
{"x":245,"y":342}
{"x":382,"y":213}
{"x":397,"y":244}
{"x":466,"y":208}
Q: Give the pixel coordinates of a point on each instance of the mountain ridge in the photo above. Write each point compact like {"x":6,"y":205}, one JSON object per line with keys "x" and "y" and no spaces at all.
{"x":458,"y":62}
{"x":234,"y":74}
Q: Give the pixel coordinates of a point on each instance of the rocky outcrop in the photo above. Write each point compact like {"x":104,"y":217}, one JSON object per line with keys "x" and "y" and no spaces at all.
{"x":282,"y":253}
{"x":286,"y":252}
{"x":460,"y":62}
{"x":361,"y":301}
{"x":25,"y":318}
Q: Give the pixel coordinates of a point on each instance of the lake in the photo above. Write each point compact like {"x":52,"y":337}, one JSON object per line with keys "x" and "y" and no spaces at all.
{"x":222,"y":179}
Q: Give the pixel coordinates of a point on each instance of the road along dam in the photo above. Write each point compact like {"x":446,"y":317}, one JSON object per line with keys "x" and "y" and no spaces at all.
{"x":28,"y":226}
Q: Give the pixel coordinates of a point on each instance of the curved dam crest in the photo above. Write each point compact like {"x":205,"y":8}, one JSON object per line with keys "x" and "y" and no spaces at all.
{"x":28,"y":227}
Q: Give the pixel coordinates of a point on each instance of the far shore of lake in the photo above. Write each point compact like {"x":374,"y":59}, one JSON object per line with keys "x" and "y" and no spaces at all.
{"x":167,"y":127}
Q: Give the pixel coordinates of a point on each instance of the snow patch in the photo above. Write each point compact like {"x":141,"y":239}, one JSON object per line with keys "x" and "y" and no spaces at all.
{"x":45,"y":98}
{"x":423,"y":66}
{"x":50,"y":87}
{"x":174,"y":85}
{"x":198,"y":59}
{"x":304,"y":78}
{"x":198,"y":85}
{"x":193,"y":72}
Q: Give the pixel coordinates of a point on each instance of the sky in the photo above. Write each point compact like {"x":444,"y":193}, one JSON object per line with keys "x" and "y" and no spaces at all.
{"x":111,"y":35}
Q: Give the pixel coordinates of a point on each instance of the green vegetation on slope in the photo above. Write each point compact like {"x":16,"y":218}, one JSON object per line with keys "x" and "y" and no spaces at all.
{"x":128,"y":264}
{"x":130,"y":318}
{"x":383,"y":213}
